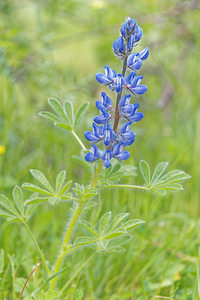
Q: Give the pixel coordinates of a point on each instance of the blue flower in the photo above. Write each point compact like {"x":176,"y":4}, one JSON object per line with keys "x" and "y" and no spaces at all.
{"x":94,"y":154}
{"x":106,"y":102}
{"x":133,"y":84}
{"x":109,"y":134}
{"x":103,"y":117}
{"x":119,"y":153}
{"x":129,"y":111}
{"x":134,"y":60}
{"x":114,"y":81}
{"x":127,"y":137}
{"x":106,"y":78}
{"x":119,"y":47}
{"x":96,"y":135}
{"x":106,"y":157}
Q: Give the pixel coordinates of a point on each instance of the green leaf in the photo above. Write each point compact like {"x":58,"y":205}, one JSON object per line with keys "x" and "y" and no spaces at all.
{"x":58,"y":108}
{"x":69,"y":112}
{"x":37,"y":200}
{"x":81,"y":111}
{"x":82,"y":240}
{"x":170,"y":186}
{"x":39,"y":176}
{"x":65,"y":126}
{"x":60,"y":181}
{"x":132,"y":224}
{"x":7,"y":204}
{"x":35,"y":188}
{"x":159,"y":170}
{"x":4,"y":213}
{"x":115,"y":234}
{"x":122,"y":240}
{"x":65,"y":188}
{"x":1,"y":260}
{"x":19,"y":199}
{"x":49,"y":116}
{"x":89,"y":227}
{"x":114,"y":169}
{"x":104,"y":222}
{"x":175,"y":176}
{"x":145,"y":170}
{"x":117,"y":220}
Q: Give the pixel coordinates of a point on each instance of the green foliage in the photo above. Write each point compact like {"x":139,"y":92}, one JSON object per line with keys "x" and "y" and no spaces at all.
{"x":84,"y":193}
{"x":160,"y":183}
{"x":110,"y":234}
{"x":116,"y":172}
{"x":15,"y":211}
{"x":47,"y":192}
{"x":65,"y":117}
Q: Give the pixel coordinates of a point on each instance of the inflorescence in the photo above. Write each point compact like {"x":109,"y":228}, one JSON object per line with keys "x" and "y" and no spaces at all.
{"x":105,"y":126}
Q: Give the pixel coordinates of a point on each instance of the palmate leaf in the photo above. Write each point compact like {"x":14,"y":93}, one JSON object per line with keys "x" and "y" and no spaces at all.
{"x":160,"y":183}
{"x":47,"y":192}
{"x":63,"y":115}
{"x":110,"y":234}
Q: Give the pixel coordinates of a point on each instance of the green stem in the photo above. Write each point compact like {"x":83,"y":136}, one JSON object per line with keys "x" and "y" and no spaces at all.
{"x":65,"y":242}
{"x":95,"y":178}
{"x":76,"y":273}
{"x":127,"y":186}
{"x":37,"y":247}
{"x":78,"y":140}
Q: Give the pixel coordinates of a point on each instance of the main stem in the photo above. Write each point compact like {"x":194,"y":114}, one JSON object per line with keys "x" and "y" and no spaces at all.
{"x":118,"y":98}
{"x":78,"y":210}
{"x":69,"y":231}
{"x":38,"y":248}
{"x":65,"y":242}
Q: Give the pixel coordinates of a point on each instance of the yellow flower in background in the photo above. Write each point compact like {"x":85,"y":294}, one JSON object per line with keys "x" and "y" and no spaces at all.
{"x":2,"y":149}
{"x":98,"y":4}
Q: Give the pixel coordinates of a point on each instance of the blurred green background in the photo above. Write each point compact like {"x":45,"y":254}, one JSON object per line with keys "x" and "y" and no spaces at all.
{"x":54,"y":48}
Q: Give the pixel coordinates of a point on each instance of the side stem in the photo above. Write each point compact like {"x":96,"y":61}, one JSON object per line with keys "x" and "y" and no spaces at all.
{"x":38,"y":248}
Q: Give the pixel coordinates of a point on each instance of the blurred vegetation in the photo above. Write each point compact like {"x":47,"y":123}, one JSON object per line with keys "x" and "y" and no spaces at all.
{"x":54,"y":49}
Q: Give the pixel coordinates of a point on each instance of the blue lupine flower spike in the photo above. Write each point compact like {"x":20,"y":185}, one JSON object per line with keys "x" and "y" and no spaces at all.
{"x":125,"y":113}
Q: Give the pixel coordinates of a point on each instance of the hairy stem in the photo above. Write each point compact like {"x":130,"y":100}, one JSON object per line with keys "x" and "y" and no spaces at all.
{"x":65,"y":242}
{"x":38,"y":248}
{"x":118,"y":98}
{"x":70,"y":229}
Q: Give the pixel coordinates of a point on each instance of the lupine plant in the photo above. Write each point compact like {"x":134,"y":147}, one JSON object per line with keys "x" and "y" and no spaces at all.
{"x":112,"y":134}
